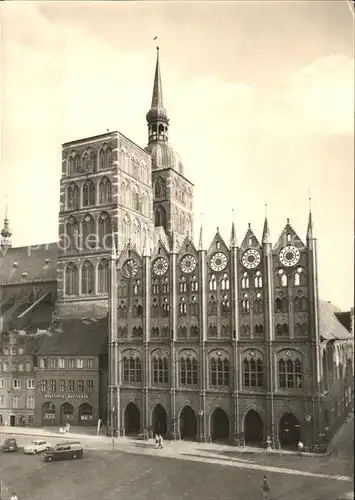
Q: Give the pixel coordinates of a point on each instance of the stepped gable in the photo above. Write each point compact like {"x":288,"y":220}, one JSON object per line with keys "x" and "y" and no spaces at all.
{"x":29,"y":264}
{"x":85,"y":337}
{"x":295,"y":240}
{"x":128,"y":252}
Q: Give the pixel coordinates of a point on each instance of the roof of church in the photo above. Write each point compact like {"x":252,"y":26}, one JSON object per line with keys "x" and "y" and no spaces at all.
{"x":87,"y":336}
{"x":29,"y":263}
{"x":329,"y":325}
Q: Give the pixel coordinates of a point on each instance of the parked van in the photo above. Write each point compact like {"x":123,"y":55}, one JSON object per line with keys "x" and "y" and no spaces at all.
{"x":64,"y":451}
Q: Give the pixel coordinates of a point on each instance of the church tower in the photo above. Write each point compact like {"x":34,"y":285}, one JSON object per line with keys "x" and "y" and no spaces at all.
{"x":5,"y":241}
{"x":173,"y":193}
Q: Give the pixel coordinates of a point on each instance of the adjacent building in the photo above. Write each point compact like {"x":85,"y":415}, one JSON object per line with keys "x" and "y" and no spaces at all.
{"x":17,"y":378}
{"x":71,"y":362}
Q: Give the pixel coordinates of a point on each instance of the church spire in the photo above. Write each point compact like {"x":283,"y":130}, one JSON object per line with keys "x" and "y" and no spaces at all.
{"x":233,"y":242}
{"x":157,"y":117}
{"x":310,"y":233}
{"x":6,"y":233}
{"x":200,"y":241}
{"x":266,"y":232}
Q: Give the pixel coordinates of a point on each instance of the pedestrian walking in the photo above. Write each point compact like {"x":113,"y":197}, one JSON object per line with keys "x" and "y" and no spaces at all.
{"x":14,"y":497}
{"x":265,"y":488}
{"x":156,"y":437}
{"x":160,"y":439}
{"x":300,"y":447}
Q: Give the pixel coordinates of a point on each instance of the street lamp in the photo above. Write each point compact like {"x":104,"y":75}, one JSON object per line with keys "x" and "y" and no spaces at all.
{"x":112,"y":410}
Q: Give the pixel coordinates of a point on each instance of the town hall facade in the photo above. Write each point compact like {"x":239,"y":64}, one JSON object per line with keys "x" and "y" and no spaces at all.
{"x":229,"y":341}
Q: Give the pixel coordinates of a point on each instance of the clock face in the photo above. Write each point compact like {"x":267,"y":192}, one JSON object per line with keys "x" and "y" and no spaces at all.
{"x":218,"y":261}
{"x":160,"y":266}
{"x":129,"y":268}
{"x":251,"y":258}
{"x":289,"y":256}
{"x":188,"y":264}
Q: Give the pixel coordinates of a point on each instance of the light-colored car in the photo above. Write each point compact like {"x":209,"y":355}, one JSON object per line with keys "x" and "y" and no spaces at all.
{"x":36,"y":446}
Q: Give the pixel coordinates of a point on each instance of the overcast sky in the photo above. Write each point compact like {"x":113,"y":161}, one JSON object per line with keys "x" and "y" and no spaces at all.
{"x":259,"y":94}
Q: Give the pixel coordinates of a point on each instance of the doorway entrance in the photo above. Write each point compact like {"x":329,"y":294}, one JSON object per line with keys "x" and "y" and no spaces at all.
{"x":290,"y":431}
{"x":159,"y":420}
{"x":219,"y":425}
{"x":12,"y":420}
{"x":188,"y":423}
{"x":253,"y":429}
{"x":132,"y":419}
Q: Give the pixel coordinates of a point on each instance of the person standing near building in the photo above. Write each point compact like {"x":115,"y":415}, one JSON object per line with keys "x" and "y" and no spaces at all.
{"x":14,"y":497}
{"x":265,"y":487}
{"x":300,"y":447}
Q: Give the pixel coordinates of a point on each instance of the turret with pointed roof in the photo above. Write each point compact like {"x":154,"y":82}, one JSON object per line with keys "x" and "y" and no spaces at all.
{"x":5,"y":234}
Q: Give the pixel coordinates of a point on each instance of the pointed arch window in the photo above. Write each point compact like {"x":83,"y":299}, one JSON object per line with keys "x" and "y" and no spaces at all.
{"x":284,"y":280}
{"x":101,"y":159}
{"x":225,"y":282}
{"x":135,"y":199}
{"x":188,"y":371}
{"x":122,"y":311}
{"x":160,"y":217}
{"x":281,"y":305}
{"x":281,"y":330}
{"x":182,"y":285}
{"x":89,"y":194}
{"x":89,"y":233}
{"x":194,"y":331}
{"x":297,"y":304}
{"x":71,"y":279}
{"x":193,"y":284}
{"x":105,"y":191}
{"x":245,"y":331}
{"x":126,"y":229}
{"x":304,"y":304}
{"x":160,"y":188}
{"x":212,"y":306}
{"x":137,"y":332}
{"x":258,"y":280}
{"x":193,"y":307}
{"x":155,"y":309}
{"x":245,"y":304}
{"x":160,"y":370}
{"x":212,"y":331}
{"x":225,"y":305}
{"x":73,"y":199}
{"x":122,"y":331}
{"x":87,"y":278}
{"x":155,"y":287}
{"x":182,"y":307}
{"x":165,"y":308}
{"x":253,"y":372}
{"x":85,"y":162}
{"x":108,"y":158}
{"x":258,"y":304}
{"x":103,"y":276}
{"x":258,"y":330}
{"x":93,"y":161}
{"x":165,"y":286}
{"x":105,"y":230}
{"x":182,"y":332}
{"x":70,"y":169}
{"x":212,"y":283}
{"x":219,"y":372}
{"x":245,"y":281}
{"x":72,"y":233}
{"x":132,"y":369}
{"x":290,"y":373}
{"x":77,"y":164}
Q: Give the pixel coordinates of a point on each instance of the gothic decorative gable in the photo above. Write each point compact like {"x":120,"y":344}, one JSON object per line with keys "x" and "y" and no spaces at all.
{"x":289,"y":237}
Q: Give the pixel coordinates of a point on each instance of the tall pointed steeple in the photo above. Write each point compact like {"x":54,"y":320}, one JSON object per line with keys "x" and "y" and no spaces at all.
{"x":6,"y":233}
{"x":157,"y":117}
{"x":310,"y":232}
{"x":233,"y":241}
{"x":200,"y":240}
{"x":266,"y":232}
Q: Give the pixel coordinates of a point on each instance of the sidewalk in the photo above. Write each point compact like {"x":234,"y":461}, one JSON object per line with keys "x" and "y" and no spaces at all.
{"x":133,"y":445}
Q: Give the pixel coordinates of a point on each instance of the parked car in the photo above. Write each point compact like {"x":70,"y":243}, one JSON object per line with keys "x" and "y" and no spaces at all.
{"x":36,"y":446}
{"x":64,"y":451}
{"x":10,"y":444}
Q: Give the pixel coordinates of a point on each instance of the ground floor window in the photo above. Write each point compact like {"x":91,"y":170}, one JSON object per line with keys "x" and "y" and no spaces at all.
{"x":1,"y":420}
{"x":30,"y":420}
{"x":85,"y":412}
{"x":48,"y":411}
